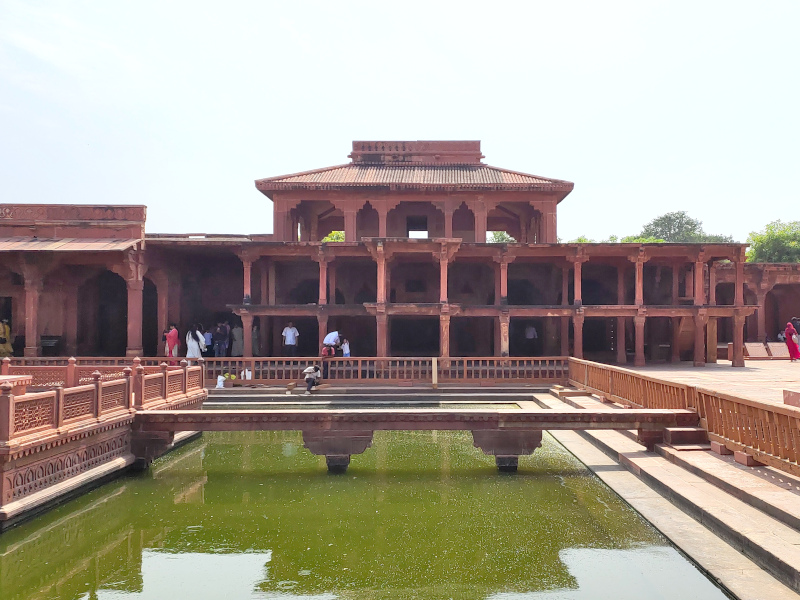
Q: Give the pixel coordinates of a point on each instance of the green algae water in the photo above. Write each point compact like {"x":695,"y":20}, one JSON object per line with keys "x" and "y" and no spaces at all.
{"x":419,"y":515}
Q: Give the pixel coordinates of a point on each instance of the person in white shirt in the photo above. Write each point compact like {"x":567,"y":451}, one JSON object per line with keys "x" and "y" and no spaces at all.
{"x":290,"y":335}
{"x":312,"y":376}
{"x":332,"y":339}
{"x":345,"y":347}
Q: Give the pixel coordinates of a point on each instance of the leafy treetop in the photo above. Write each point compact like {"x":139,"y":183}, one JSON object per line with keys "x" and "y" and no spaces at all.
{"x":778,"y":242}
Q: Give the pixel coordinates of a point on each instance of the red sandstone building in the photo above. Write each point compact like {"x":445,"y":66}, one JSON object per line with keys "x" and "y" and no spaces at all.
{"x":414,"y":276}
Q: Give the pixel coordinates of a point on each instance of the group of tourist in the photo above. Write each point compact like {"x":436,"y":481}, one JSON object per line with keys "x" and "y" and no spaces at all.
{"x":219,"y":341}
{"x":333,"y":344}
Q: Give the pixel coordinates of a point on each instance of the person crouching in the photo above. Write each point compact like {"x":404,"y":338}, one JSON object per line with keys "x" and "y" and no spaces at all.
{"x":312,"y":376}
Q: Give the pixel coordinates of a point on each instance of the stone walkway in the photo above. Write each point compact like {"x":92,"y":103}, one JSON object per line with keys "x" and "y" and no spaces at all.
{"x":759,"y":380}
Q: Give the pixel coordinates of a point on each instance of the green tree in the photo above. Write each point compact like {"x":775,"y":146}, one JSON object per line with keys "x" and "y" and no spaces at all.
{"x":334,"y":236}
{"x":499,"y":237}
{"x":778,"y":242}
{"x":582,"y":239}
{"x":679,"y":227}
{"x":638,"y":239}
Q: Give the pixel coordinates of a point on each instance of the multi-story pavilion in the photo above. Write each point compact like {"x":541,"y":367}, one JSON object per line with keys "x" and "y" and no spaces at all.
{"x":414,"y":275}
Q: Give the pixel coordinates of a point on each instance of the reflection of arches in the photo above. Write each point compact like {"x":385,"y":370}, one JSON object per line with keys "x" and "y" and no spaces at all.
{"x":103,"y":315}
{"x":305,"y":292}
{"x":150,"y":333}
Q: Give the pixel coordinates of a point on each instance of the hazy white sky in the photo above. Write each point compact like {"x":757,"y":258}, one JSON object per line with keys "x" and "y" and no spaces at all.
{"x":648,"y":107}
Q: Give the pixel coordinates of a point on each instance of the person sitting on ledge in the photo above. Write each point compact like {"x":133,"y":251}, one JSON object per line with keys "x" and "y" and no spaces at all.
{"x":312,"y":376}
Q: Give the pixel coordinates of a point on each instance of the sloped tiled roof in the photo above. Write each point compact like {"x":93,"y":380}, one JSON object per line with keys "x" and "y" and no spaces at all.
{"x":27,"y":244}
{"x":439,"y":177}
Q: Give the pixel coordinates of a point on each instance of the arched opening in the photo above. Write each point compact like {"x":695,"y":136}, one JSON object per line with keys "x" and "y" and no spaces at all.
{"x":464,"y":223}
{"x":415,"y":218}
{"x":367,"y":222}
{"x":103,"y":316}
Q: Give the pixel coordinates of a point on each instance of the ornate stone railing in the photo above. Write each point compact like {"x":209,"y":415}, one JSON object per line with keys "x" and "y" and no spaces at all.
{"x":770,"y":433}
{"x":393,"y":369}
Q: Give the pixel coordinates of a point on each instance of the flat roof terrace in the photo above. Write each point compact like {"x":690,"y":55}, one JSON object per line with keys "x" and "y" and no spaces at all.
{"x":762,"y":380}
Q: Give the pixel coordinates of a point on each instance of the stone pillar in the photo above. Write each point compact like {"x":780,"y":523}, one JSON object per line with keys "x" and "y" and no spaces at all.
{"x":699,"y":340}
{"x":699,"y":291}
{"x":577,"y":327}
{"x":504,"y":337}
{"x":675,"y":353}
{"x":383,"y":215}
{"x":247,"y":325}
{"x":576,"y":286}
{"x":448,"y":221}
{"x":381,"y":291}
{"x":323,"y":281}
{"x":350,"y":224}
{"x":738,"y":339}
{"x":443,"y":266}
{"x":739,"y":300}
{"x":503,"y":282}
{"x":498,"y":295}
{"x":638,"y":325}
{"x":480,"y":213}
{"x":761,"y":315}
{"x":135,"y":289}
{"x":711,"y":340}
{"x":565,"y":285}
{"x":332,"y":283}
{"x":247,"y":293}
{"x":622,"y":357}
{"x":33,"y":289}
{"x":444,"y":335}
{"x":263,"y":275}
{"x":382,"y":341}
{"x":322,"y":326}
{"x":564,"y":336}
{"x":639,"y":299}
{"x":712,"y":284}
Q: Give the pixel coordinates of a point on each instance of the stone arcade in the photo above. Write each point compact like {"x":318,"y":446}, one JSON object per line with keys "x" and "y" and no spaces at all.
{"x":414,"y":276}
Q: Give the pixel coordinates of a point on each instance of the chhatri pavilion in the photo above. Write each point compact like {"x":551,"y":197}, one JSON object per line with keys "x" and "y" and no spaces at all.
{"x":414,"y":275}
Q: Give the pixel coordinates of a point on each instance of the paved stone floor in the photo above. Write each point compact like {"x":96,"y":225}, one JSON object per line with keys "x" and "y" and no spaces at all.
{"x":760,"y":380}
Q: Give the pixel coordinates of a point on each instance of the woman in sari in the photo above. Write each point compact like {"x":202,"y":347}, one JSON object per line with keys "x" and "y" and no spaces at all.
{"x":172,"y":342}
{"x":791,"y":341}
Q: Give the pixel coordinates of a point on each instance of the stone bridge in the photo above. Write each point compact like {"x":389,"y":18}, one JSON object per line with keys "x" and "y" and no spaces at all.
{"x":337,"y":434}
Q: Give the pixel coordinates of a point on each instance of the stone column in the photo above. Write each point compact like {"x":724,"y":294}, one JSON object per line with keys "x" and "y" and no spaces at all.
{"x":332,"y":283}
{"x":699,"y":291}
{"x":247,"y":325}
{"x":504,"y":337}
{"x":738,"y":339}
{"x":443,"y":266}
{"x":382,"y":341}
{"x":444,"y":335}
{"x":699,"y":339}
{"x":322,"y":326}
{"x":501,"y":279}
{"x":564,"y":336}
{"x":638,"y":325}
{"x":576,"y":286}
{"x":323,"y":281}
{"x":498,"y":294}
{"x":480,"y":213}
{"x":247,"y":293}
{"x":739,"y":300}
{"x":350,"y":224}
{"x":639,"y":299}
{"x":381,"y":290}
{"x":383,"y":215}
{"x":448,"y":221}
{"x":712,"y":284}
{"x":565,"y":286}
{"x":711,"y":340}
{"x":577,"y":327}
{"x":622,"y":357}
{"x":135,"y":289}
{"x":33,"y":289}
{"x":675,"y":354}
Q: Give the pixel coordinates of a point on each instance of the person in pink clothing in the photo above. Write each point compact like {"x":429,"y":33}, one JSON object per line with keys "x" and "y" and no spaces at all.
{"x":791,"y":341}
{"x":172,"y":341}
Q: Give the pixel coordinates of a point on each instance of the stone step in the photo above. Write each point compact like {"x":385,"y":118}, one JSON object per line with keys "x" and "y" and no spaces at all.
{"x":675,"y":436}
